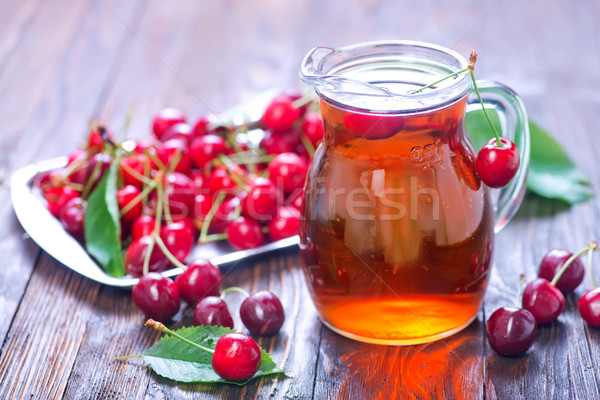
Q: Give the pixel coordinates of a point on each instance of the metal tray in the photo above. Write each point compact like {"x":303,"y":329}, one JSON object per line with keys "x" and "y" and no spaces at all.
{"x":49,"y":234}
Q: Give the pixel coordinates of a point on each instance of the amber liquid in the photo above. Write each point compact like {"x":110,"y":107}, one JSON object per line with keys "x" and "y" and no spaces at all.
{"x":397,"y":234}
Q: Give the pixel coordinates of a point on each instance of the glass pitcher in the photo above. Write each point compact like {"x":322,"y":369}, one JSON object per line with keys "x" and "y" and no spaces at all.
{"x":397,"y":233}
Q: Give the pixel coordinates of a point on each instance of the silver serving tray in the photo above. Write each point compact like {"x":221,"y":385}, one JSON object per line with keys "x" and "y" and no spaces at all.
{"x":48,"y":233}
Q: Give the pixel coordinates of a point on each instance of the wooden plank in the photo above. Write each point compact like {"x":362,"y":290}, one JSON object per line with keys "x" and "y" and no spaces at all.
{"x":294,"y":348}
{"x":37,"y":113}
{"x":562,"y":362}
{"x":45,"y":336}
{"x":449,"y":368}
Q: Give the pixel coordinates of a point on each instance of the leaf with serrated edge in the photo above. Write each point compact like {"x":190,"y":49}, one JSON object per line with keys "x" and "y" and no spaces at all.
{"x":177,"y":360}
{"x":552,"y":174}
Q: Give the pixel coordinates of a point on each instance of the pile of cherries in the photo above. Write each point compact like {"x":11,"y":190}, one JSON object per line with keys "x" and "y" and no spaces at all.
{"x":512,"y":330}
{"x":193,"y":183}
{"x":236,"y":356}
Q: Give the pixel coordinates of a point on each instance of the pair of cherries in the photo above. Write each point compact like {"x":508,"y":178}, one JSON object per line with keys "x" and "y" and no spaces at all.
{"x":160,"y":297}
{"x":512,"y":330}
{"x":261,"y":312}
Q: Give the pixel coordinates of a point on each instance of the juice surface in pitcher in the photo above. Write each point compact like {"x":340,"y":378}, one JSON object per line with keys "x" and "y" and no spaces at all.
{"x":397,"y":231}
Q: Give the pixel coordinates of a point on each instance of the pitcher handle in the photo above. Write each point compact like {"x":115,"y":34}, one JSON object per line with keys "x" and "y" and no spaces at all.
{"x":513,"y":121}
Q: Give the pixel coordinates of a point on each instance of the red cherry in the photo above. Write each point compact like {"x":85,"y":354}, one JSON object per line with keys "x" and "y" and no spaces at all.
{"x":372,"y":126}
{"x":104,"y":160}
{"x":200,"y":181}
{"x":165,"y":119}
{"x":58,"y":197}
{"x":181,"y":193}
{"x":589,"y":307}
{"x":280,"y":142}
{"x":262,"y":199}
{"x":125,"y":196}
{"x":281,"y":113}
{"x":203,"y":204}
{"x":156,"y":296}
{"x":212,"y":310}
{"x":79,"y":174}
{"x":312,"y":127}
{"x":142,"y":226}
{"x":285,"y":224}
{"x":511,"y":331}
{"x":543,"y":300}
{"x":200,"y":279}
{"x":201,"y":127}
{"x":72,"y":216}
{"x":245,"y":233}
{"x":205,"y":148}
{"x":94,"y":143}
{"x":552,"y":263}
{"x":135,"y":163}
{"x":262,"y":313}
{"x":136,"y":253}
{"x":295,"y":200}
{"x":178,"y":239}
{"x":169,"y":149}
{"x":180,"y":131}
{"x":288,"y":171}
{"x":187,"y":221}
{"x":145,"y":145}
{"x":237,"y":357}
{"x":228,"y":211}
{"x":221,"y":180}
{"x":497,"y":166}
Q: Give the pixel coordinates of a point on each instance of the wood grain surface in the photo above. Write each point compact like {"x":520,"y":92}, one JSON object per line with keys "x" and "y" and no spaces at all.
{"x":63,"y":63}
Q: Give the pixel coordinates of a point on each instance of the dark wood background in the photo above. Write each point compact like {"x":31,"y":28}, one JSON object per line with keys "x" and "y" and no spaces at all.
{"x":65,"y":62}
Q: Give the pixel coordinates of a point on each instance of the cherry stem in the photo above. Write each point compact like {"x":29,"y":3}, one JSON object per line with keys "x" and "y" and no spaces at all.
{"x":230,"y":166}
{"x":174,"y":161}
{"x":91,"y":180}
{"x":74,"y":166}
{"x":138,"y":198}
{"x":252,"y":161}
{"x":241,"y":153}
{"x":127,"y":121}
{"x":306,"y":98}
{"x":215,"y":237}
{"x":520,"y":291}
{"x":470,"y":68}
{"x":157,"y":161}
{"x":234,"y":289}
{"x":210,"y":216}
{"x":149,"y":249}
{"x":307,"y":145}
{"x":161,"y":327}
{"x":159,"y":208}
{"x":164,"y":199}
{"x":168,"y":254}
{"x":438,"y":81}
{"x":128,"y":357}
{"x":590,"y":251}
{"x":498,"y":142}
{"x":137,"y":175}
{"x":589,"y":248}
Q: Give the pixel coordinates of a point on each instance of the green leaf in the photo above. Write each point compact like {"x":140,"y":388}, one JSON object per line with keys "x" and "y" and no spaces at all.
{"x":177,"y":360}
{"x":102,"y":224}
{"x":552,"y":174}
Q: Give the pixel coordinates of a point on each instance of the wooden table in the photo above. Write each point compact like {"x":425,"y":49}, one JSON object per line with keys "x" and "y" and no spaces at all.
{"x":63,"y":63}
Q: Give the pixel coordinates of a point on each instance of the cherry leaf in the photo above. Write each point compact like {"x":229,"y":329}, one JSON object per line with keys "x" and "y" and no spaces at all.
{"x":102,"y":224}
{"x":552,"y":174}
{"x":177,"y":360}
